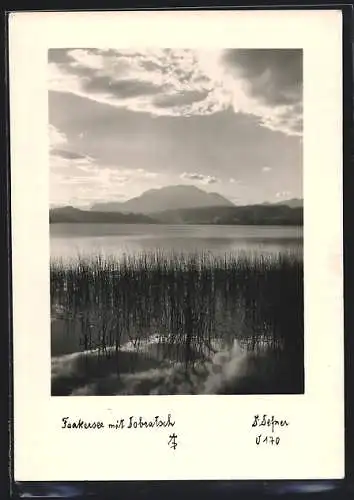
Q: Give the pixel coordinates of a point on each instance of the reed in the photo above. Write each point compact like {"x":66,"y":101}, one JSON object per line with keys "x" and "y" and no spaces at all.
{"x":188,"y":301}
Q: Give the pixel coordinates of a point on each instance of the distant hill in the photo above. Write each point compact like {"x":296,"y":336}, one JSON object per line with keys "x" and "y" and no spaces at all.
{"x":293,"y":203}
{"x":246,"y":215}
{"x":183,"y":205}
{"x":72,"y":215}
{"x":166,"y":198}
{"x":243,"y":215}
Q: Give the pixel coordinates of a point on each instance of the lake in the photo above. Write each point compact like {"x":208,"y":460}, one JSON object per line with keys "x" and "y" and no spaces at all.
{"x":67,"y":241}
{"x":233,"y":327}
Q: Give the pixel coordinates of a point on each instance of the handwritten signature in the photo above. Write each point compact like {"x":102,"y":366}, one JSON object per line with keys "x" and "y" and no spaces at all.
{"x":271,"y":424}
{"x":266,"y":421}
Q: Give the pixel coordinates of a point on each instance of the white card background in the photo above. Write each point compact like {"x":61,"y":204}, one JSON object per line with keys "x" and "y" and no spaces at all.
{"x":216,"y":440}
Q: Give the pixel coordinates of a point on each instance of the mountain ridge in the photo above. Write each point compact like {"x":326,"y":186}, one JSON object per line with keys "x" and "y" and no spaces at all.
{"x":69,"y":214}
{"x":182,"y":204}
{"x":242,"y":215}
{"x":292,"y":202}
{"x":168,"y":197}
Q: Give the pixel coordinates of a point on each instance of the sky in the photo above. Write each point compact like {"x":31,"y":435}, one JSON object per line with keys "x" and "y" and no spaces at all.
{"x":125,"y":121}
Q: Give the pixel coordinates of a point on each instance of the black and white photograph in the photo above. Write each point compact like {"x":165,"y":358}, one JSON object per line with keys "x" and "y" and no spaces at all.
{"x":176,"y":213}
{"x":177,"y":238}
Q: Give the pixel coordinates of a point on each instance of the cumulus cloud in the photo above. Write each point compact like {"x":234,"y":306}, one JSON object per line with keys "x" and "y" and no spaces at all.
{"x":161,"y":82}
{"x":203,"y":179}
{"x":166,"y":82}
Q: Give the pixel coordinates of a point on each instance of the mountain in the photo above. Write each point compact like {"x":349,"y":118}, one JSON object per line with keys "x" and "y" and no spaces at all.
{"x":293,"y":203}
{"x":72,"y":215}
{"x":166,"y":198}
{"x":240,"y":215}
{"x":231,"y":215}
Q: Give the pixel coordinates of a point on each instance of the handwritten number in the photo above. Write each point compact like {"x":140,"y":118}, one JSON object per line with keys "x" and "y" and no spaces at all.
{"x":267,"y":440}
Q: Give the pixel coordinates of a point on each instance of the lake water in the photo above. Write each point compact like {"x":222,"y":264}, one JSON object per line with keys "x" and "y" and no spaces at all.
{"x":244,"y":316}
{"x":67,"y":241}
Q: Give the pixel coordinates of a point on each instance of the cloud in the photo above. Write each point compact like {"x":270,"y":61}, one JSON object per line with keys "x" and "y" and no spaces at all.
{"x":142,"y":173}
{"x":60,"y":158}
{"x":80,"y":180}
{"x":181,"y":99}
{"x":203,"y":179}
{"x":83,"y":183}
{"x":272,"y":75}
{"x":266,"y":169}
{"x":161,"y":82}
{"x":283,"y":194}
{"x":235,"y":181}
{"x":68,"y":155}
{"x":56,"y":138}
{"x":272,"y":80}
{"x":171,"y":82}
{"x":121,"y":89}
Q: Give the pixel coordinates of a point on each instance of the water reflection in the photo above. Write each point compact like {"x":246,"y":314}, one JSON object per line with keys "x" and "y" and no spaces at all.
{"x":104,"y":330}
{"x":70,"y":240}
